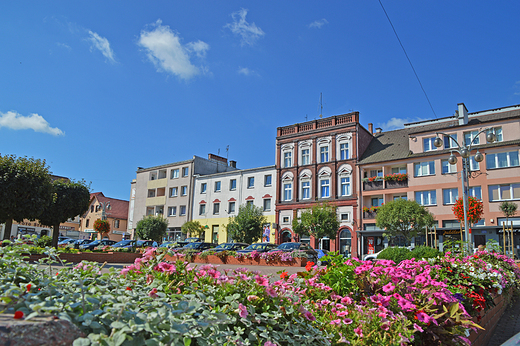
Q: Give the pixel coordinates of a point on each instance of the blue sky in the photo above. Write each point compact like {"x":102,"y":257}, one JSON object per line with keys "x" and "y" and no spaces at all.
{"x":99,"y":88}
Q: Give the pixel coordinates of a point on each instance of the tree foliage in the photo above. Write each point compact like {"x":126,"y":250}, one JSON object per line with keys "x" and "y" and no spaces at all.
{"x":69,"y":199}
{"x":193,"y":228}
{"x":25,"y":190}
{"x":152,"y":228}
{"x":319,"y":221}
{"x":508,"y":209}
{"x":246,"y":227}
{"x":403,"y":217}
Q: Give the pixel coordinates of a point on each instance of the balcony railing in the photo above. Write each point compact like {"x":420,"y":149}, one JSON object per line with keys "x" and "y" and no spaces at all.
{"x":391,"y":181}
{"x":372,"y":185}
{"x":370,"y":214}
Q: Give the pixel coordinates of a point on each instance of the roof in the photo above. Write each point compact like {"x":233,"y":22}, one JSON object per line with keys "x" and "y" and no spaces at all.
{"x":394,"y":145}
{"x":118,"y":208}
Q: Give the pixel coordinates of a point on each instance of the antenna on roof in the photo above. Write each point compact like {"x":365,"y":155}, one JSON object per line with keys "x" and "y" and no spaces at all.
{"x":227,"y":152}
{"x":321,"y":106}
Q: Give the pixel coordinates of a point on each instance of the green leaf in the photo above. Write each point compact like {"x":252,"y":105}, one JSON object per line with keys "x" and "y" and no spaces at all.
{"x":119,"y":338}
{"x":81,"y":342}
{"x":187,"y":341}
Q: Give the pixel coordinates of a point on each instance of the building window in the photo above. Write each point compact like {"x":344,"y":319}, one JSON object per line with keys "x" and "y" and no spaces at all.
{"x":343,"y":151}
{"x":450,"y":196}
{"x":174,"y":173}
{"x":428,"y":144}
{"x":376,"y":201}
{"x":91,"y":208}
{"x":116,"y":223}
{"x":426,"y":197}
{"x":403,"y":196}
{"x":232,"y":185}
{"x":267,"y":204}
{"x":184,"y":190}
{"x":345,"y":186}
{"x":324,"y":154}
{"x":306,"y":157}
{"x":249,"y":203}
{"x":173,"y":191}
{"x":162,"y":174}
{"x":185,"y":171}
{"x":498,"y":133}
{"x":475,"y":192}
{"x":268,"y":178}
{"x":306,"y":189}
{"x":202,"y":209}
{"x":149,"y":211}
{"x":344,"y":217}
{"x":399,"y":170}
{"x":287,"y":159}
{"x":151,"y":193}
{"x":471,"y":138}
{"x":231,"y":207}
{"x":287,"y":191}
{"x":87,"y":221}
{"x":473,"y":164}
{"x":203,"y":187}
{"x":447,"y":167}
{"x":172,"y":211}
{"x":286,"y":219}
{"x":450,"y":142}
{"x":504,"y":192}
{"x":153,"y":176}
{"x":324,"y":188}
{"x":424,"y":168}
{"x":250,"y":182}
{"x":216,"y":208}
{"x":502,"y":160}
{"x":217,"y":186}
{"x":182,"y":210}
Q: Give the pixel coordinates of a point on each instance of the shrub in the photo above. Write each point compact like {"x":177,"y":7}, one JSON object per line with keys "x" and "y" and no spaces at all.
{"x":44,"y":241}
{"x":396,"y":254}
{"x":425,"y":252}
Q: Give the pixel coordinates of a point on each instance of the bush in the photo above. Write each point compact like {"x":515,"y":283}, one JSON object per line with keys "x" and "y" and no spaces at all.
{"x":396,"y":254}
{"x":425,"y":252}
{"x":44,"y":241}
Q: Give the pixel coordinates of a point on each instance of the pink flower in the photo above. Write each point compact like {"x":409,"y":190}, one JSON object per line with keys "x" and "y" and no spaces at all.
{"x":417,"y":328}
{"x":309,"y":316}
{"x":358,"y":331}
{"x":153,"y":293}
{"x":251,"y":298}
{"x":242,"y":311}
{"x":261,"y":280}
{"x":271,"y":292}
{"x":388,"y":287}
{"x":269,"y":343}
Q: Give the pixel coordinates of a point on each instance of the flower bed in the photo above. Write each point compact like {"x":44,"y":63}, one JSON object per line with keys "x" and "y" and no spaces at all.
{"x":99,"y":257}
{"x":214,"y":259}
{"x":416,"y":302}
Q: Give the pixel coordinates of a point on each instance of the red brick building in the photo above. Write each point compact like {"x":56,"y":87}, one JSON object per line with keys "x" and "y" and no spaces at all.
{"x":316,"y":162}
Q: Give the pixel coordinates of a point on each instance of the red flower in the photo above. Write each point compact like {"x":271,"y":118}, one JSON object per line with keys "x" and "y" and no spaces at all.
{"x":129,"y":288}
{"x":309,"y":265}
{"x":283,"y":275}
{"x":29,"y":288}
{"x":18,"y":315}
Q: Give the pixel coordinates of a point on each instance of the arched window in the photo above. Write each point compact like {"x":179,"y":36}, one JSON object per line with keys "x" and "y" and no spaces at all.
{"x":305,"y":153}
{"x":343,"y":146}
{"x":324,"y":154}
{"x":287,"y":155}
{"x":287,"y":186}
{"x":324,"y":182}
{"x":345,"y":241}
{"x":305,"y":184}
{"x":345,"y":180}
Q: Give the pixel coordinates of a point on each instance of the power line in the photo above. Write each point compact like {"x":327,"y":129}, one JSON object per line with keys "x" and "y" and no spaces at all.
{"x":404,"y":50}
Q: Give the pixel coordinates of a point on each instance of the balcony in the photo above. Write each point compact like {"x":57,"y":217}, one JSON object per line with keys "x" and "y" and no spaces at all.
{"x":394,"y":184}
{"x":372,"y":185}
{"x":391,"y":181}
{"x":369,"y":214}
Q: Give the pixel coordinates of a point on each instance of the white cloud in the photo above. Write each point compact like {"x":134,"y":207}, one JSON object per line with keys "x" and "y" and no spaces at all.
{"x":165,"y":51}
{"x":397,"y":123}
{"x":249,"y":33}
{"x":102,"y":45}
{"x":247,"y":72}
{"x":63,"y":45}
{"x":198,"y":48}
{"x":318,"y":23}
{"x":16,"y":121}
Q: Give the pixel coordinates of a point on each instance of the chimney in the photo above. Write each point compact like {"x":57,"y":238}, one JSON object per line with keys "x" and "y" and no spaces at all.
{"x":232,"y":164}
{"x":379,"y":130}
{"x":370,"y":128}
{"x":217,"y":158}
{"x":462,"y":114}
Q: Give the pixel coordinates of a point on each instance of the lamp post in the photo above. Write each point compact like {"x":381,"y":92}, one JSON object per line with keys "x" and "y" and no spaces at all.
{"x":104,"y":207}
{"x":465,"y":152}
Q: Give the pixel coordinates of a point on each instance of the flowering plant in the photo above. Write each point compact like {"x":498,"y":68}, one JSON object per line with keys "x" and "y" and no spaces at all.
{"x":102,"y":226}
{"x":396,"y":177}
{"x":475,"y":210}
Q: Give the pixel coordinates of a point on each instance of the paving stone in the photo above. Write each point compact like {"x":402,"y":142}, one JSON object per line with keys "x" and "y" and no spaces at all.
{"x":508,"y":325}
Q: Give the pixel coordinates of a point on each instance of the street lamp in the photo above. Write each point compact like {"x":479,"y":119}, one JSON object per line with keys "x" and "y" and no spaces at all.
{"x":104,"y":207}
{"x":465,"y":152}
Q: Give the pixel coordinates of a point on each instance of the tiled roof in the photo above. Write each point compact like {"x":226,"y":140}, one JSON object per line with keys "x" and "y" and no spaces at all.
{"x":118,"y":208}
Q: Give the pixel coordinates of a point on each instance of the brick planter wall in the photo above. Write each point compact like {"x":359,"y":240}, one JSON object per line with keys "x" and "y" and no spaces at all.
{"x":489,"y":321}
{"x":297,"y":262}
{"x":100,"y":257}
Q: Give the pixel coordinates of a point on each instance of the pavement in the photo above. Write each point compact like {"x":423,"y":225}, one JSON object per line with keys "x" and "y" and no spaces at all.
{"x":508,"y":325}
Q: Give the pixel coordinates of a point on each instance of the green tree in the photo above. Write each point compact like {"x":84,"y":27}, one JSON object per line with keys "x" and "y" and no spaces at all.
{"x":246,"y":227}
{"x":25,"y":190}
{"x":320,"y":221}
{"x":403,"y":217}
{"x":69,"y":199}
{"x":508,"y":209}
{"x":193,"y":228}
{"x":152,"y":228}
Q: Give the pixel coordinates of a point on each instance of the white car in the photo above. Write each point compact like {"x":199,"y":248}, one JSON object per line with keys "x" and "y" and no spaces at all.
{"x":373,"y":256}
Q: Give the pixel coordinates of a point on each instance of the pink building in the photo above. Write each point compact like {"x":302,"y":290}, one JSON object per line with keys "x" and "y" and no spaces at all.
{"x":433,"y":181}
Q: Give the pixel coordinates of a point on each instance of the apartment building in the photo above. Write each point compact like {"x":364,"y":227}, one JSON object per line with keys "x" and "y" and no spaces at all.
{"x":168,"y":190}
{"x":115,"y":211}
{"x":217,"y":197}
{"x":316,"y":162}
{"x":435,"y":182}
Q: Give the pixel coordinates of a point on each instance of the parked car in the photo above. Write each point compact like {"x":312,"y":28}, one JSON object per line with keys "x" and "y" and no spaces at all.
{"x":124,"y":243}
{"x":198,"y":245}
{"x":322,"y":257}
{"x":229,"y":247}
{"x":79,"y":242}
{"x":312,"y":255}
{"x":258,"y":247}
{"x":170,"y":244}
{"x":96,"y":243}
{"x":60,"y":239}
{"x":65,"y":242}
{"x":146,"y":243}
{"x":372,"y":257}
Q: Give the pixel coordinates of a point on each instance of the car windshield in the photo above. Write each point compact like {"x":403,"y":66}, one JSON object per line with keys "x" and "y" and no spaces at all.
{"x":168,"y":243}
{"x":288,"y":246}
{"x":123,"y":243}
{"x":256,"y":247}
{"x":192,"y":245}
{"x":95,"y":242}
{"x":140,"y":242}
{"x":225,"y":246}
